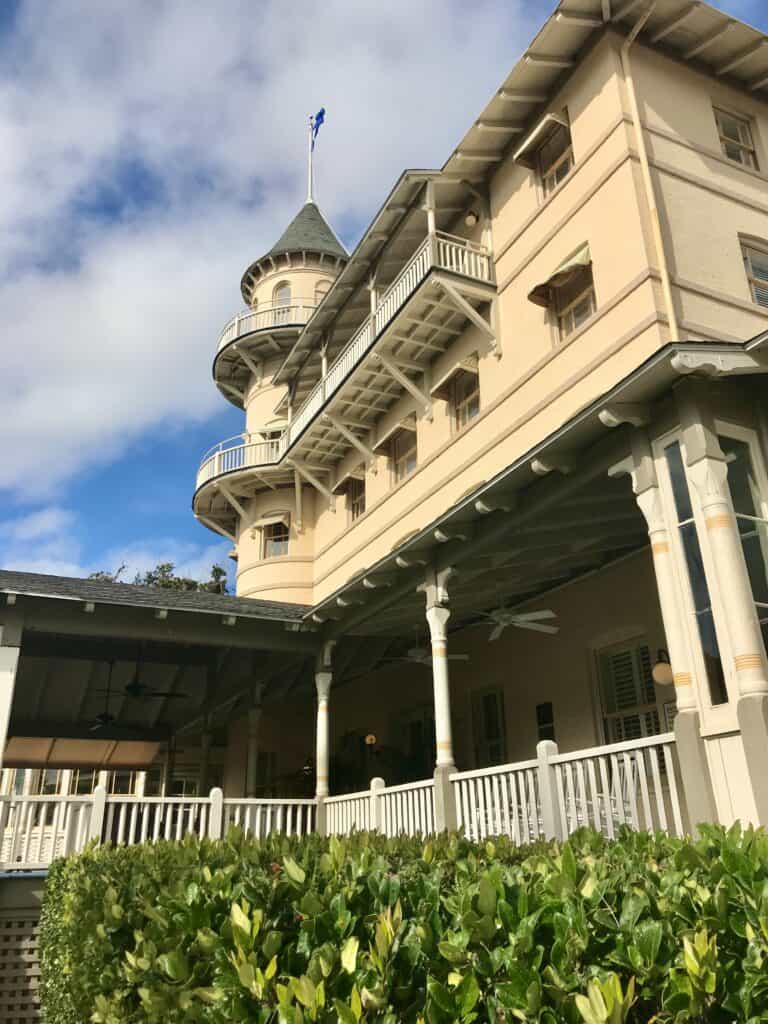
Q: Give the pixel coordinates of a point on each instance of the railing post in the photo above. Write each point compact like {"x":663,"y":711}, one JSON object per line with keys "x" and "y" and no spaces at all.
{"x":376,"y":816}
{"x":216,"y":814}
{"x":550,"y":807}
{"x":321,"y":816}
{"x":96,"y":824}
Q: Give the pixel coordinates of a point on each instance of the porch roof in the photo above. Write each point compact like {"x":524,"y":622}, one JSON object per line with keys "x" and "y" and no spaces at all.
{"x":536,"y":519}
{"x":67,"y":588}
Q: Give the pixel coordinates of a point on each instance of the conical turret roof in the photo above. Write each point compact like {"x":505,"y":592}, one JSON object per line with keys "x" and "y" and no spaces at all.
{"x":309,"y":230}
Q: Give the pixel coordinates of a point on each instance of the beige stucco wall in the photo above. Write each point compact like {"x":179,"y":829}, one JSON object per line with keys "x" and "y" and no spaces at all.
{"x":539,"y":382}
{"x":302,"y":279}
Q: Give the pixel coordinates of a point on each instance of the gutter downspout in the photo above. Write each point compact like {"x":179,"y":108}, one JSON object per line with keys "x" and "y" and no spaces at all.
{"x":650,"y":195}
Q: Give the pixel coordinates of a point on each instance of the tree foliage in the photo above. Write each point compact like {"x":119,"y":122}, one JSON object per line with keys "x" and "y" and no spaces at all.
{"x":367,"y":929}
{"x":164,"y":576}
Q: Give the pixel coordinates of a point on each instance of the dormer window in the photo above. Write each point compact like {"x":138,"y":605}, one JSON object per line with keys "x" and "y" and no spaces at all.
{"x":548,"y":150}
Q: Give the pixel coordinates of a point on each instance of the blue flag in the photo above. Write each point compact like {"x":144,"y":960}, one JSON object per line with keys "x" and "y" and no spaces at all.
{"x":317,"y":120}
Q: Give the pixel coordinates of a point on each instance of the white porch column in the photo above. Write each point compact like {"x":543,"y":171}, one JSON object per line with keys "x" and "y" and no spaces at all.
{"x":438,"y":613}
{"x":735,"y":613}
{"x":323,"y":681}
{"x":254,"y":730}
{"x":694,"y":767}
{"x":10,"y":649}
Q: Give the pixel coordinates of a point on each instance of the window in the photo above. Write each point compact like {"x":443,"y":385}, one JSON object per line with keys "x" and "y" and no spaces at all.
{"x":321,"y":290}
{"x":756,"y":266}
{"x":403,"y":454}
{"x":574,"y":300}
{"x":736,"y":138}
{"x":555,"y":158}
{"x":275,"y":540}
{"x":488,"y":717}
{"x":751,"y":520}
{"x":702,"y":603}
{"x":627,"y":693}
{"x":356,"y":497}
{"x":465,"y":398}
{"x":281,"y":300}
{"x":545,"y":721}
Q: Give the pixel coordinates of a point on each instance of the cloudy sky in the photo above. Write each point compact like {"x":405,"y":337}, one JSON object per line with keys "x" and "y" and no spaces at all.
{"x":149,"y":151}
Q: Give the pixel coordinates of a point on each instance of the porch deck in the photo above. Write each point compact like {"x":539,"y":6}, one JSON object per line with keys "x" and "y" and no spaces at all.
{"x":633,"y":784}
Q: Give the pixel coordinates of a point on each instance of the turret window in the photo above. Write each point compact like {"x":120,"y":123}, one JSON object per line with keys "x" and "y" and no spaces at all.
{"x":281,"y":298}
{"x":275,"y":540}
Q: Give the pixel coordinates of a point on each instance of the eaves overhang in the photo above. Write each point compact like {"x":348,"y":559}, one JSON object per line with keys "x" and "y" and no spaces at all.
{"x":645,"y":385}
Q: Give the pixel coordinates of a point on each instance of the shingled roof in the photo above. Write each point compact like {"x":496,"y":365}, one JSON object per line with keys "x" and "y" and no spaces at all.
{"x":35,"y":584}
{"x":311,"y":231}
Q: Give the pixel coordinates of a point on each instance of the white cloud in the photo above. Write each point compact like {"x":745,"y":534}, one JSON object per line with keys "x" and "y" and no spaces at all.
{"x":45,"y":541}
{"x":110,"y":322}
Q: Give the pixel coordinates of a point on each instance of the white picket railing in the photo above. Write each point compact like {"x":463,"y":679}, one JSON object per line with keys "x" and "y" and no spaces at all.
{"x":503,"y":800}
{"x":267,"y":317}
{"x":444,"y":252}
{"x":632,"y":783}
{"x":351,"y":812}
{"x":129,"y":820}
{"x":408,"y":809}
{"x":34,"y":830}
{"x":260,"y":817}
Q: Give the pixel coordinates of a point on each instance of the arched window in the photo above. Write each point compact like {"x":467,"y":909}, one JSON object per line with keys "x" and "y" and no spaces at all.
{"x":281,"y":300}
{"x":321,"y":290}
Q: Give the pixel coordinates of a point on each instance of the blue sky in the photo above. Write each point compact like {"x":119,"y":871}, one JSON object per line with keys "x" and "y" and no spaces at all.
{"x":148,"y":153}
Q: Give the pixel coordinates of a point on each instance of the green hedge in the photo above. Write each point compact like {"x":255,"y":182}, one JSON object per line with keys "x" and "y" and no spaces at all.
{"x":367,"y":929}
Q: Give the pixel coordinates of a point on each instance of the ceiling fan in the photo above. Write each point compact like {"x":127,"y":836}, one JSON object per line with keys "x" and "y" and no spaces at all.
{"x":503,"y":617}
{"x":137,"y":689}
{"x":106,"y":717}
{"x":423,"y":656}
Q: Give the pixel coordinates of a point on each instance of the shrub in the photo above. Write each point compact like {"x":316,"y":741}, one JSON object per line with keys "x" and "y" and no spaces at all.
{"x":367,"y":929}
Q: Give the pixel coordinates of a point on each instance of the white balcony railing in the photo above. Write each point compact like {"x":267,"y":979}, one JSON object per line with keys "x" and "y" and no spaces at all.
{"x":443,"y":252}
{"x":273,"y":315}
{"x":633,"y":784}
{"x":236,"y":453}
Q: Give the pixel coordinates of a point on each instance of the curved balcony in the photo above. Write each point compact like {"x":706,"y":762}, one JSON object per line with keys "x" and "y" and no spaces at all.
{"x":269,"y":317}
{"x":240,"y":452}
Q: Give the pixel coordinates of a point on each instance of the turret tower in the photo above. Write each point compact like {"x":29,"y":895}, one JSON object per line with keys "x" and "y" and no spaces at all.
{"x":245,"y":491}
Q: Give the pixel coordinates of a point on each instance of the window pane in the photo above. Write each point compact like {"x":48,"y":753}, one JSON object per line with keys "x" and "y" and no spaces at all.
{"x":679,"y":483}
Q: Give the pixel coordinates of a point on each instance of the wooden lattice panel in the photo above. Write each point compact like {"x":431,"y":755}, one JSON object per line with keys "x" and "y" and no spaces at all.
{"x":19,"y":967}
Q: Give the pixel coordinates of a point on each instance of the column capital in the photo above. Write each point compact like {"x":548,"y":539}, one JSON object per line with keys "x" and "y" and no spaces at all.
{"x":437,"y":618}
{"x":435,"y":586}
{"x":323,"y":681}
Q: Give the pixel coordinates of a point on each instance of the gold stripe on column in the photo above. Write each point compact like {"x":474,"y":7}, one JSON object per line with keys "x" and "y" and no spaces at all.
{"x":661,"y":547}
{"x":439,"y":650}
{"x":718,"y":522}
{"x":745,"y":661}
{"x":443,"y":745}
{"x":682,"y":678}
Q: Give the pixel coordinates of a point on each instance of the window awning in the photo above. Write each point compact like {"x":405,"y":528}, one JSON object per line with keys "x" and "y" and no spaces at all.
{"x":341,"y":485}
{"x":525,"y":151}
{"x":542,"y":293}
{"x":409,"y":423}
{"x":441,"y":388}
{"x":271,"y":518}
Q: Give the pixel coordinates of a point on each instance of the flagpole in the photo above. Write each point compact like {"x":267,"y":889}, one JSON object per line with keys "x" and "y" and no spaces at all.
{"x":310,"y":198}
